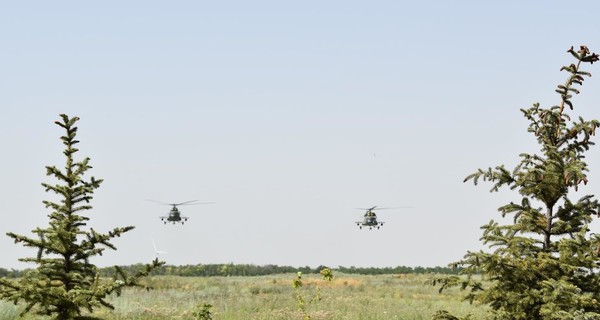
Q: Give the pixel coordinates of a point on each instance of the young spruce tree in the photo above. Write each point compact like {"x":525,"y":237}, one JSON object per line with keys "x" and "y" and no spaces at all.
{"x":545,"y":264}
{"x":65,"y":284}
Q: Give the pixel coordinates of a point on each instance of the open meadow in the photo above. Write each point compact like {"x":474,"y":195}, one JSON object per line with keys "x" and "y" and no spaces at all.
{"x":347,"y":297}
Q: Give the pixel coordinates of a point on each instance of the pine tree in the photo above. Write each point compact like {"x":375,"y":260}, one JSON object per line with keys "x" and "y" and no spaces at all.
{"x":543,"y":265}
{"x":65,"y":284}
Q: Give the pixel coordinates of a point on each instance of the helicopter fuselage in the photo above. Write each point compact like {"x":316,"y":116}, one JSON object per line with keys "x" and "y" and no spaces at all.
{"x":174,"y":216}
{"x":370,"y":220}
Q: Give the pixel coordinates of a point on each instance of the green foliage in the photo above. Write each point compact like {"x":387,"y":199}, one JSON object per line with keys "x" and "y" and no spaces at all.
{"x":65,"y":284}
{"x":544,"y":264}
{"x":203,"y":312}
{"x":300,"y":299}
{"x":445,"y":315}
{"x":327,"y":274}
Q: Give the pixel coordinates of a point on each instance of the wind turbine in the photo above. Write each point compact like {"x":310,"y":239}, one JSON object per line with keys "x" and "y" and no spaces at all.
{"x":157,"y":252}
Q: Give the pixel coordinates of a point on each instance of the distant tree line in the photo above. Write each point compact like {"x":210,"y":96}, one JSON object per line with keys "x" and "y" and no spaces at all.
{"x":397,"y":270}
{"x":211,"y":270}
{"x":12,"y":273}
{"x":230,"y":269}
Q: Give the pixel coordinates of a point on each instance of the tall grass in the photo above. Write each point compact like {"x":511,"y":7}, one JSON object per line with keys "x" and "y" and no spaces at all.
{"x":347,"y":297}
{"x":8,"y":311}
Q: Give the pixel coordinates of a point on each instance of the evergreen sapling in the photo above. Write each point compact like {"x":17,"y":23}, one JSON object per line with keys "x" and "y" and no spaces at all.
{"x":543,"y":265}
{"x":65,"y":285}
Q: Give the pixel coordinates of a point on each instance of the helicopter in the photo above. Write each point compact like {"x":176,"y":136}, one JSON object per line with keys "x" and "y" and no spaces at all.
{"x":175,"y":215}
{"x":370,"y":218}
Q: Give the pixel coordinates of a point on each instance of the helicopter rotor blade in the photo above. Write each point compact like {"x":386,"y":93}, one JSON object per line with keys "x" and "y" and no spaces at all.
{"x":189,"y":203}
{"x":382,"y":208}
{"x":160,"y":202}
{"x":183,"y":203}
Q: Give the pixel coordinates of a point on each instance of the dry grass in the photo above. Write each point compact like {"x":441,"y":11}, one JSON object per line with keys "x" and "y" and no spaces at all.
{"x":347,"y":297}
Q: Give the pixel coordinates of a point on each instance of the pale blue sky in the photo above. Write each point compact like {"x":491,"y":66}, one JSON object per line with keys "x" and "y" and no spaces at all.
{"x":274,"y":109}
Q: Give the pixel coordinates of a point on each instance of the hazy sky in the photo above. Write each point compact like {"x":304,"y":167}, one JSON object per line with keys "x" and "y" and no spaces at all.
{"x":274,"y":110}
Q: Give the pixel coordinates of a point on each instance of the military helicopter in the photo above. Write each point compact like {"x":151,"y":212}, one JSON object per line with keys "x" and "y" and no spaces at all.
{"x":175,"y":215}
{"x":370,"y":218}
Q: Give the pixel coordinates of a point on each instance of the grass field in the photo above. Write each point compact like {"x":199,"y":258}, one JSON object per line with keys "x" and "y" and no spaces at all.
{"x":347,"y":297}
